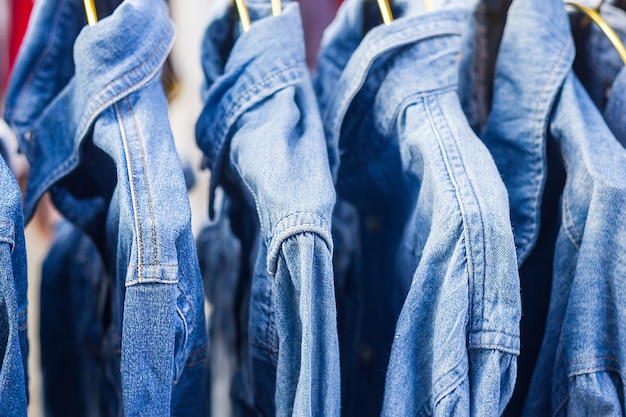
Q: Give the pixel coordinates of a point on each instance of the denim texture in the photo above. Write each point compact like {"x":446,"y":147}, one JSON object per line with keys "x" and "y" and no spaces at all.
{"x":94,"y":127}
{"x":74,"y":318}
{"x":3,"y":147}
{"x":597,"y":63}
{"x":262,"y":136}
{"x":543,"y":123}
{"x":600,"y":69}
{"x":219,"y":254}
{"x":437,"y":281}
{"x":13,"y":302}
{"x":614,"y":111}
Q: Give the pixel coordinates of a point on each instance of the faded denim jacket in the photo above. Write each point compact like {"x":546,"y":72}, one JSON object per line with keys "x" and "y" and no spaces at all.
{"x":543,"y":125}
{"x":438,"y":278}
{"x":13,"y":302}
{"x":262,"y":136}
{"x":94,"y":128}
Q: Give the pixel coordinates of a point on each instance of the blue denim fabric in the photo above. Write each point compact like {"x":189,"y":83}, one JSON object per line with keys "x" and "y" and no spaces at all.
{"x":219,"y":254}
{"x":13,"y":303}
{"x":614,"y":111}
{"x":74,"y":317}
{"x":94,"y":128}
{"x":438,"y":275}
{"x":262,"y":136}
{"x":600,"y":69}
{"x":540,"y":109}
{"x":597,"y":63}
{"x":3,"y":148}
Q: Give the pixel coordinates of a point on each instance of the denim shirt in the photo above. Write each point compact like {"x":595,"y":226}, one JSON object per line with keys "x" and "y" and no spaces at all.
{"x":13,"y":303}
{"x":614,"y":111}
{"x":438,"y":269}
{"x":94,"y":128}
{"x":262,"y":136}
{"x":540,"y":108}
{"x":597,"y":63}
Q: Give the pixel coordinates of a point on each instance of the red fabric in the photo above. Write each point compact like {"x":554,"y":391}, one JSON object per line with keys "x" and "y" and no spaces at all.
{"x":19,"y":22}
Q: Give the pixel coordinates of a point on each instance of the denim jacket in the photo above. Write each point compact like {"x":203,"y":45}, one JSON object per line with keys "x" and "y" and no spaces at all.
{"x":94,"y":128}
{"x":262,"y":137}
{"x":13,"y":303}
{"x":438,"y":277}
{"x":540,"y":110}
{"x":601,"y":70}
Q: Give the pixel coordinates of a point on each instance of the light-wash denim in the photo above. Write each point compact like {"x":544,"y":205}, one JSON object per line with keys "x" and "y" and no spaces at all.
{"x":91,"y":117}
{"x":438,"y":280}
{"x":13,"y":303}
{"x":261,"y":133}
{"x":560,"y":162}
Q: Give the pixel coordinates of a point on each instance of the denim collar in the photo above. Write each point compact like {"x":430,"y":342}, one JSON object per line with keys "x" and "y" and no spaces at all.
{"x":536,"y":52}
{"x":376,"y":47}
{"x":53,"y":105}
{"x":261,"y":62}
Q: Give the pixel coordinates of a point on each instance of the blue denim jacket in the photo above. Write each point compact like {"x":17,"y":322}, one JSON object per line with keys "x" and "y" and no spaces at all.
{"x":13,"y":303}
{"x":614,"y":111}
{"x":76,"y":362}
{"x":219,"y":254}
{"x":262,"y":136}
{"x":94,"y":128}
{"x":437,"y":246}
{"x":540,"y":109}
{"x":597,"y":63}
{"x":600,"y":69}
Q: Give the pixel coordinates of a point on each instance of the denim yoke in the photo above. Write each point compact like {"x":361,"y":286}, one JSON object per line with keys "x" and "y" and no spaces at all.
{"x":262,"y":135}
{"x":538,"y":101}
{"x":85,"y":120}
{"x":13,"y":303}
{"x":409,"y":159}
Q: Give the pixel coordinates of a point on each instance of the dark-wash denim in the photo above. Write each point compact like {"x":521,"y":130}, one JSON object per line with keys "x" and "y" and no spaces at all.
{"x":91,"y":117}
{"x":74,"y":316}
{"x":262,"y":136}
{"x":437,"y":328}
{"x":600,"y":68}
{"x":13,"y":302}
{"x":219,"y":254}
{"x":563,"y":170}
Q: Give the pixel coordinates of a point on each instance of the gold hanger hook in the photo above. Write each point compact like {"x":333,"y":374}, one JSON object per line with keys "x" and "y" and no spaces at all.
{"x":276,"y":7}
{"x":385,"y":11}
{"x":90,"y":9}
{"x":604,"y":27}
{"x":244,"y":16}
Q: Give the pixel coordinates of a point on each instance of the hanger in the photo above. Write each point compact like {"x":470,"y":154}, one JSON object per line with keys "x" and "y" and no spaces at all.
{"x":604,"y":27}
{"x":385,"y":10}
{"x":90,"y":9}
{"x":244,"y":16}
